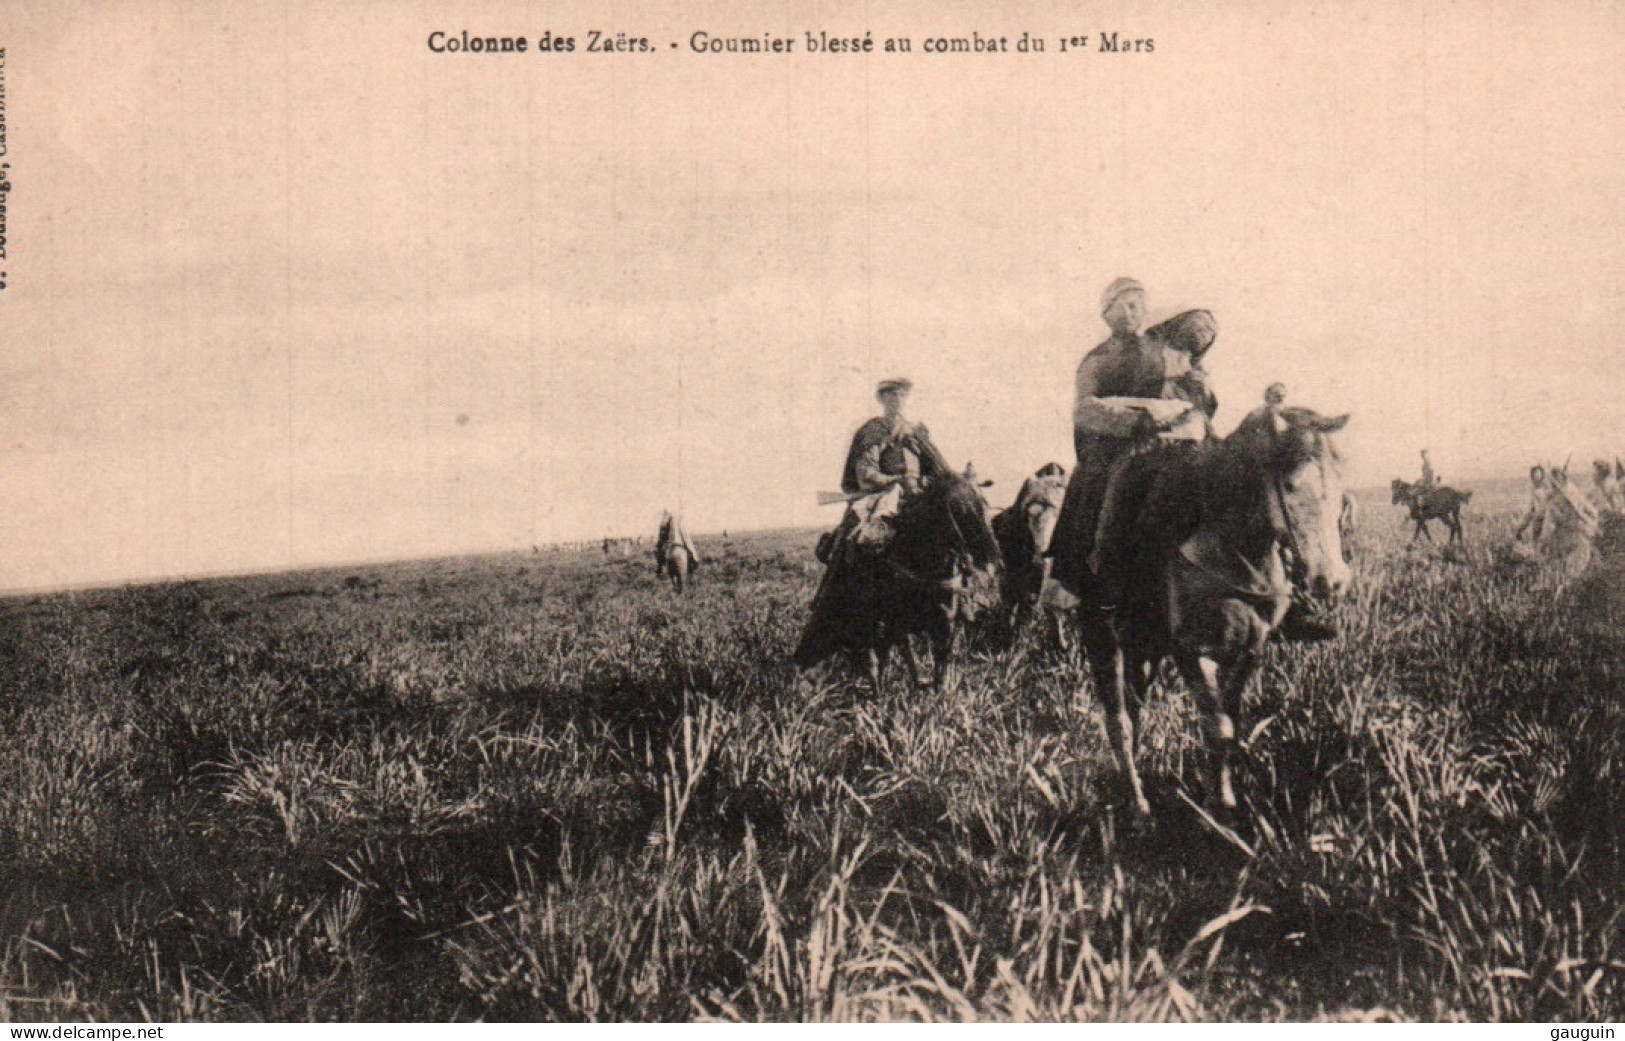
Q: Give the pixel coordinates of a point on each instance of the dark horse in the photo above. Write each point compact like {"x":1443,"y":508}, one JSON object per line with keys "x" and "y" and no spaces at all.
{"x":1023,"y":532}
{"x":1211,"y":585}
{"x":1430,"y":504}
{"x":874,"y":601}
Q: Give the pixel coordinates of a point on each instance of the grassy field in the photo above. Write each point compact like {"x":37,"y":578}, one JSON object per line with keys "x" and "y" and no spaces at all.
{"x":542,"y":787}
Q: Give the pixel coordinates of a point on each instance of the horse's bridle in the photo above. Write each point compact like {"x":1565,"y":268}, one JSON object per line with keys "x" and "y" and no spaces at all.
{"x":1285,"y":531}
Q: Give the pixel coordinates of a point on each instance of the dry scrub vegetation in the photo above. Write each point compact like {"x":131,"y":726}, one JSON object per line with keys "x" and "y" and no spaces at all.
{"x":542,"y":787}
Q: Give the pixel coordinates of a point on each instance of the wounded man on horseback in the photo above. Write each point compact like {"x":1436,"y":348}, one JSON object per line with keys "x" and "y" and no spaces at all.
{"x":1129,"y":428}
{"x":1178,"y":544}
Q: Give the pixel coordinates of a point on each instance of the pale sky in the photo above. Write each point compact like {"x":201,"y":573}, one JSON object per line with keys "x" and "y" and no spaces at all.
{"x":287,"y":288}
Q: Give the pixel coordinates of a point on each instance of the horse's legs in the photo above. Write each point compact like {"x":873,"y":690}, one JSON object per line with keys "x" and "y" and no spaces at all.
{"x":943,"y":635}
{"x":1106,"y":658}
{"x":1058,"y":628}
{"x":1138,"y":672}
{"x":1140,"y":660}
{"x":1202,"y":673}
{"x":916,"y":670}
{"x":877,"y":668}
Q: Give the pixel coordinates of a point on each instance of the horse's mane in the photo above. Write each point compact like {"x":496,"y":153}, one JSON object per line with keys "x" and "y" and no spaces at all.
{"x":948,"y":500}
{"x":943,"y":491}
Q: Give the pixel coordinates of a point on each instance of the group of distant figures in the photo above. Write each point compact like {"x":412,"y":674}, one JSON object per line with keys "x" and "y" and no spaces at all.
{"x":1562,"y":523}
{"x":1559,"y":525}
{"x":621,"y":547}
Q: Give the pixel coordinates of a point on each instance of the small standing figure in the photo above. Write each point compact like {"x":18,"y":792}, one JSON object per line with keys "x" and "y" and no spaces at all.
{"x":1534,"y":519}
{"x":1571,"y":526}
{"x":1609,"y":495}
{"x":1274,"y":401}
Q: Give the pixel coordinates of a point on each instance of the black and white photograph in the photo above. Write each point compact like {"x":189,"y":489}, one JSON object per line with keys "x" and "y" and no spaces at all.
{"x":816,"y":512}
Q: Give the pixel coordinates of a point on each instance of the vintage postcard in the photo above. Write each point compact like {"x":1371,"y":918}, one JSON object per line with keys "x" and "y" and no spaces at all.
{"x":812,"y":512}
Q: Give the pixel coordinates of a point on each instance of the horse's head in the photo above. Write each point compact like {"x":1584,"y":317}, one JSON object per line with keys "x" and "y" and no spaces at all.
{"x":1302,"y":491}
{"x":952,"y":513}
{"x":1402,"y":492}
{"x":1040,"y":508}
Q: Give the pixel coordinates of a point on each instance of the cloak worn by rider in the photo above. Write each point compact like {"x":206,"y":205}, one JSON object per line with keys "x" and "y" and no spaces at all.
{"x":885,"y":463}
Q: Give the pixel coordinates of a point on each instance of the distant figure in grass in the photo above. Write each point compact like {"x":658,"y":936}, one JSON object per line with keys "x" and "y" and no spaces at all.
{"x":1571,"y":526}
{"x":675,"y":555}
{"x":1534,"y":518}
{"x":1606,"y":486}
{"x":1434,"y":502}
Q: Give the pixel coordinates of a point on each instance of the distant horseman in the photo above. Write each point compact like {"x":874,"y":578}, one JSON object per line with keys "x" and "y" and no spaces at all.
{"x":1429,"y":480}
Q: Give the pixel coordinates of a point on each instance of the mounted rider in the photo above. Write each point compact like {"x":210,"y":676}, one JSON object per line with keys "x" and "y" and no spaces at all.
{"x":1429,"y":479}
{"x":889,"y":458}
{"x":1108,"y":496}
{"x":1124,"y":365}
{"x":672,"y":534}
{"x":1106,"y":431}
{"x":1185,"y":339}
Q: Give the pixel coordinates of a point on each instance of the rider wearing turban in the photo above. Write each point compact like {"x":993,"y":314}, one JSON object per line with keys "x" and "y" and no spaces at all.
{"x":1185,"y":339}
{"x":1103,"y":431}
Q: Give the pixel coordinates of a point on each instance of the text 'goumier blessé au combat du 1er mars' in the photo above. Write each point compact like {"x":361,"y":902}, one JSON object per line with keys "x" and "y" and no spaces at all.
{"x":596,"y":41}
